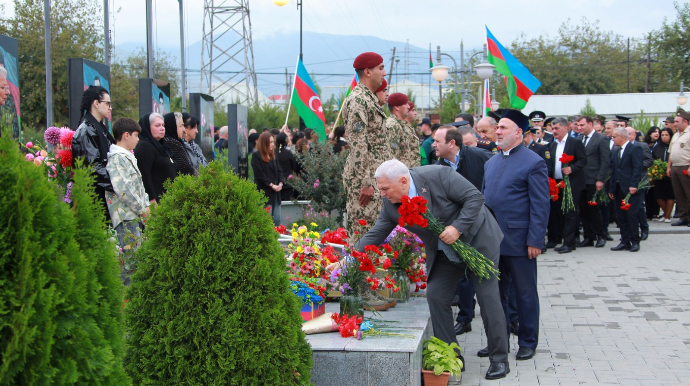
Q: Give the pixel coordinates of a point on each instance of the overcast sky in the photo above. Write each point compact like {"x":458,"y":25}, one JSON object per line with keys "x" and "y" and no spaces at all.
{"x":436,"y":22}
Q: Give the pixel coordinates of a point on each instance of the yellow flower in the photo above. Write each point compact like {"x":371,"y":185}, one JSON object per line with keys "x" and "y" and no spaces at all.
{"x":300,"y":250}
{"x":295,"y":235}
{"x":313,"y":224}
{"x":302,"y":230}
{"x":294,"y":225}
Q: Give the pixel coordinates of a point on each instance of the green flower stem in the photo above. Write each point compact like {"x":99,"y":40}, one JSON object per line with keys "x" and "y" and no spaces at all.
{"x":567,"y":204}
{"x":475,"y":261}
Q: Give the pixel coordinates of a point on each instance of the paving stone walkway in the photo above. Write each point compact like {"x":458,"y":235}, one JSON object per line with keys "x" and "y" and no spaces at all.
{"x":607,"y":317}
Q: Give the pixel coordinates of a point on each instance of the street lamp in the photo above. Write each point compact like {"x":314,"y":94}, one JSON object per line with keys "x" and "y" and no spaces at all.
{"x":494,"y":105}
{"x":466,"y":105}
{"x":439,"y":72}
{"x":682,"y":98}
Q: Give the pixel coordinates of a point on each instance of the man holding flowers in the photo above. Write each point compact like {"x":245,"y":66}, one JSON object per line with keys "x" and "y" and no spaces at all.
{"x":626,"y":173}
{"x":569,"y":159}
{"x":459,"y":208}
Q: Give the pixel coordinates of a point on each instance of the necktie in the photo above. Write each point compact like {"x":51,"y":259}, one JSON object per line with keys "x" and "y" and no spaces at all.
{"x":586,"y":138}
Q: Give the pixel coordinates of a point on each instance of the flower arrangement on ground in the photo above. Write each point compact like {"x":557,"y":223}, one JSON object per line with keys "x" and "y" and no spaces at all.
{"x":413,"y":211}
{"x":567,"y":204}
{"x":408,"y":256}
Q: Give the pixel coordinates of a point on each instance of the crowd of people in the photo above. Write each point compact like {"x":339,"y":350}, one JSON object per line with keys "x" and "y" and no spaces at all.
{"x":489,"y":179}
{"x":507,"y":163}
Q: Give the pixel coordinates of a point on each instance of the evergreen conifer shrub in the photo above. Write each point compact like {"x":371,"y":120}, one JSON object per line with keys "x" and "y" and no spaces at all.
{"x":210,"y":302}
{"x":59,"y":317}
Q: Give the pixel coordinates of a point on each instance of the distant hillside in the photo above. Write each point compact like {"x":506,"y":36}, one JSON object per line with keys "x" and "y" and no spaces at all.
{"x":327,"y":54}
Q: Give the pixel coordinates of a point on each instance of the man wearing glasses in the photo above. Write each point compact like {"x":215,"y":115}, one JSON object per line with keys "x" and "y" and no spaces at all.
{"x":92,"y":139}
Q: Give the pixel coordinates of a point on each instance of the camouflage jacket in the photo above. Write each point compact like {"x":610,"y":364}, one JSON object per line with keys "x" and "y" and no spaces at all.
{"x":128,"y":200}
{"x":364,"y":130}
{"x":404,"y":142}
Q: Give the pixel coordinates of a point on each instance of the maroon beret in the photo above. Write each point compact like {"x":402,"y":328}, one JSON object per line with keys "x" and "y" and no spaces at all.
{"x":367,"y":60}
{"x":384,"y":84}
{"x":410,"y":105}
{"x":397,"y":99}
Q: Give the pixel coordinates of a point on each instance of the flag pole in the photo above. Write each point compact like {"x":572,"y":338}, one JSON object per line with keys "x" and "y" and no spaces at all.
{"x":294,"y":79}
{"x":339,"y":111}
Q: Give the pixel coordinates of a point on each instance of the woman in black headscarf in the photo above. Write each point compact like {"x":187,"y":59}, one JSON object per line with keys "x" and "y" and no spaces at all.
{"x":154,"y":157}
{"x":174,"y":130}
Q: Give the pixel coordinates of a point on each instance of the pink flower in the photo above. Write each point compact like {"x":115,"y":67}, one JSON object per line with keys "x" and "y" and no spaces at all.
{"x":290,"y":177}
{"x":29,"y":145}
{"x":29,"y":157}
{"x":316,"y":183}
{"x":52,"y":135}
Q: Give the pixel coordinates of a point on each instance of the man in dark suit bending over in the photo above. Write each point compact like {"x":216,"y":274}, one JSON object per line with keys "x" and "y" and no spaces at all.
{"x":460,"y":206}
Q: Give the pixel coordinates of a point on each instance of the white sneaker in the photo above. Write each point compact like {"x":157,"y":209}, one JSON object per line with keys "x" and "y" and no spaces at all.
{"x":666,"y":220}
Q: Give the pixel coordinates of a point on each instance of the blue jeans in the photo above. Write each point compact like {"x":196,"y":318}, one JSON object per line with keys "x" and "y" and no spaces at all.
{"x":275,"y":209}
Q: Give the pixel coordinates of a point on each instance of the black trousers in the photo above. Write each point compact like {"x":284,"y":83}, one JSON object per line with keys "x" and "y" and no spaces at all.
{"x":628,"y":220}
{"x":564,"y":225}
{"x":592,"y":223}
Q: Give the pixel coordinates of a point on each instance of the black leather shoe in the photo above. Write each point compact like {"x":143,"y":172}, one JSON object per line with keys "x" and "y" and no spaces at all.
{"x":524,"y":354}
{"x":562,"y":247}
{"x":608,"y":237}
{"x":634,"y":247}
{"x":498,"y":370}
{"x":483,"y":353}
{"x":644,"y":234}
{"x":543,"y":250}
{"x":680,"y":223}
{"x":551,"y":244}
{"x":461,"y":328}
{"x":621,"y":247}
{"x":586,"y":242}
{"x":600,"y":242}
{"x":565,"y":249}
{"x":514,"y":326}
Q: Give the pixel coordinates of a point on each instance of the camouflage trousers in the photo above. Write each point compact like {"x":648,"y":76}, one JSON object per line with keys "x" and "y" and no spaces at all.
{"x":356,"y":212}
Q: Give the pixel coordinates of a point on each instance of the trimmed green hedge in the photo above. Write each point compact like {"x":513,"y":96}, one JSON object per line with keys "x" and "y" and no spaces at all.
{"x":210,"y":302}
{"x":60,"y":298}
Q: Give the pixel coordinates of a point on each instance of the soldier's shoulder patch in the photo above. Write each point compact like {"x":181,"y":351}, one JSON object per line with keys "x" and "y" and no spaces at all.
{"x":494,"y":150}
{"x":483,"y":141}
{"x":547,"y":154}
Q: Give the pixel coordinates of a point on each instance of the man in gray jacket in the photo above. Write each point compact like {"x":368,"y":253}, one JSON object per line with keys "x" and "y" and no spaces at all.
{"x":460,"y":207}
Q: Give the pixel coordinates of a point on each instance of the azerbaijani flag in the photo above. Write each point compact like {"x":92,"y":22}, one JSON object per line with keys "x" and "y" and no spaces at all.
{"x":353,"y":84}
{"x":307,"y":101}
{"x":521,"y":83}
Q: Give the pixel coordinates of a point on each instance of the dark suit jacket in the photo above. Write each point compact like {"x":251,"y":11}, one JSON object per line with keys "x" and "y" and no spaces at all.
{"x":574,"y":147}
{"x":626,"y":170}
{"x":516,"y":187}
{"x":544,"y":153}
{"x":548,"y":137}
{"x":598,"y":156}
{"x":454,"y":201}
{"x":471,"y":164}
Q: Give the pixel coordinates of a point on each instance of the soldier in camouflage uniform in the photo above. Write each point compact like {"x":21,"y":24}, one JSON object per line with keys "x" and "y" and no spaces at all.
{"x":364,"y":129}
{"x":404,"y":142}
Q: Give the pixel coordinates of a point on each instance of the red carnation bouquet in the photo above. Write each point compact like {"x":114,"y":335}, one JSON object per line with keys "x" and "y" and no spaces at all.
{"x":413,"y":211}
{"x":625,"y":201}
{"x":567,"y":204}
{"x":554,"y":188}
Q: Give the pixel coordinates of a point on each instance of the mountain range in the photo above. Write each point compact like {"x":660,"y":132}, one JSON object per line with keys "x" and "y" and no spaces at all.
{"x":328,"y":57}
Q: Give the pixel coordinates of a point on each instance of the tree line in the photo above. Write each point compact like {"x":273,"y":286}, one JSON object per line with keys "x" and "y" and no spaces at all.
{"x":583,"y":57}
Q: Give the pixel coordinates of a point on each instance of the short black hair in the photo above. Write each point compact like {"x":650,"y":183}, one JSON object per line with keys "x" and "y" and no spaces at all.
{"x":466,"y":117}
{"x":125,"y":125}
{"x":189,"y":120}
{"x":339,"y":132}
{"x":92,"y":94}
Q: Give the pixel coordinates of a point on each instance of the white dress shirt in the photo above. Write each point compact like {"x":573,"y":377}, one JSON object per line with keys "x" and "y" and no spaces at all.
{"x":560,"y":147}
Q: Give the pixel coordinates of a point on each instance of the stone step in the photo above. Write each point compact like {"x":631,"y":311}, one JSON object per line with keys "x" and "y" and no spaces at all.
{"x":374,"y":360}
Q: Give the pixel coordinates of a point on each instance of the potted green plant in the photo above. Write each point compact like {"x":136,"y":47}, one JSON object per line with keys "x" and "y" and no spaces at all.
{"x":439,"y":361}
